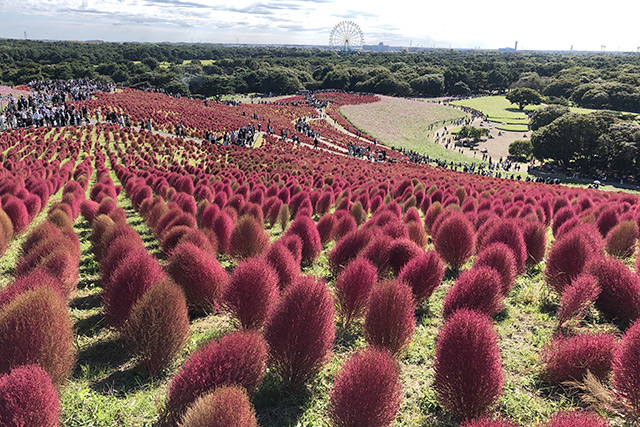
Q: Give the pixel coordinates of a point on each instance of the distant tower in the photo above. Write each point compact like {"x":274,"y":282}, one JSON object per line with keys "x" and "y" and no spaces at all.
{"x":25,"y":35}
{"x":516,"y":48}
{"x":571,"y":48}
{"x":603,"y":48}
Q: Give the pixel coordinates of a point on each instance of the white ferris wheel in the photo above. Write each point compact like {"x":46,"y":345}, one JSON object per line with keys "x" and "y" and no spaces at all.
{"x":346,"y":36}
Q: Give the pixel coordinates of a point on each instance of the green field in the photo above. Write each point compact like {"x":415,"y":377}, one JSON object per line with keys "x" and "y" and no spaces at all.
{"x":499,"y":110}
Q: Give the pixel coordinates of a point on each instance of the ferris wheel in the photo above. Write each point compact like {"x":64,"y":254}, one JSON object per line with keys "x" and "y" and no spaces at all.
{"x":346,"y":36}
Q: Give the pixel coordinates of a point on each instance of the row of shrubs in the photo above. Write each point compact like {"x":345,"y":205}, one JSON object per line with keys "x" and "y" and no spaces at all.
{"x":37,"y":352}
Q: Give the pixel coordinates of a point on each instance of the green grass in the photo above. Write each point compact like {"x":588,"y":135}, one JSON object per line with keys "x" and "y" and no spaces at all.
{"x":499,"y":110}
{"x":513,"y":128}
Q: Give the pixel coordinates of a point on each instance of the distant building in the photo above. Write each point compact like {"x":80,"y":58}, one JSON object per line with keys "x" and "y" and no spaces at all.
{"x":380,"y":47}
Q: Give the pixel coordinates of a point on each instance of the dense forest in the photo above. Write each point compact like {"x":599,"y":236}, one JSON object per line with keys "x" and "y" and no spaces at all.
{"x":602,"y":81}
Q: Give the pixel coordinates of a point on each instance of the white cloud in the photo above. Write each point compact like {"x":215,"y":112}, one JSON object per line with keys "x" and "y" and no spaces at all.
{"x":545,"y":24}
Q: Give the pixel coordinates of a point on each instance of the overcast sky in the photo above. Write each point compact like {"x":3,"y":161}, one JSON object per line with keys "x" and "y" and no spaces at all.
{"x":539,"y":25}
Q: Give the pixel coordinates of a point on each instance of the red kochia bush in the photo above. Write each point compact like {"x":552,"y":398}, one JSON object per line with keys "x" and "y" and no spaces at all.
{"x":576,"y":296}
{"x":239,"y":358}
{"x":158,"y":326}
{"x":367,"y":391}
{"x":455,"y":240}
{"x":128,"y":283}
{"x":567,"y":259}
{"x":577,"y":419}
{"x":401,"y":252}
{"x":389,"y":321}
{"x":626,"y":370}
{"x":509,"y":233}
{"x":619,"y":289}
{"x":248,"y":238}
{"x":225,"y":406}
{"x":223,"y":226}
{"x":476,"y":289}
{"x":28,"y":398}
{"x":423,"y":274}
{"x":468,"y":374}
{"x":535,"y":239}
{"x":325,"y":227}
{"x":199,"y":274}
{"x":18,"y":214}
{"x":353,"y":287}
{"x":348,"y":248}
{"x":35,"y":329}
{"x":499,"y":257}
{"x":570,"y":358}
{"x":252,"y":293}
{"x":287,"y":268}
{"x":305,"y":228}
{"x":621,"y":240}
{"x":301,"y":330}
{"x":34,"y":279}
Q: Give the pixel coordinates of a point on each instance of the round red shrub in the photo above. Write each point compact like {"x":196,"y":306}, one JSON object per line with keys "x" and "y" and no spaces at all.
{"x":305,"y":228}
{"x":499,"y":257}
{"x":509,"y":233}
{"x":423,"y":274}
{"x":570,"y":358}
{"x":28,"y":398}
{"x":619,"y":289}
{"x":32,"y":280}
{"x":293,"y":242}
{"x":377,"y":251}
{"x":626,"y":370}
{"x":367,"y":391}
{"x":468,"y":374}
{"x":252,"y":292}
{"x":89,"y":210}
{"x":325,"y":227}
{"x":389,"y":321}
{"x":348,"y":248}
{"x":17,"y":212}
{"x":455,"y":240}
{"x":401,"y":252}
{"x":344,"y":226}
{"x":129,"y":281}
{"x":567,"y":259}
{"x":285,"y":265}
{"x":158,"y":326}
{"x":353,"y":287}
{"x":199,"y":274}
{"x":607,"y":220}
{"x":224,"y":407}
{"x":222,"y":227}
{"x":576,"y":296}
{"x":301,"y":330}
{"x":248,"y":238}
{"x":622,"y":239}
{"x":575,"y":419}
{"x":477,"y":289}
{"x":535,"y":240}
{"x":45,"y":339}
{"x":239,"y":358}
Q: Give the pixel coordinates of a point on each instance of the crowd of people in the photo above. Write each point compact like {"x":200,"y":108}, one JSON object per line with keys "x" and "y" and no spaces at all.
{"x":46,"y":104}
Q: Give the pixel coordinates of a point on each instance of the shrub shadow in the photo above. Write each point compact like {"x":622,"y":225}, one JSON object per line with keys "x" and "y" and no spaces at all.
{"x":279,"y":405}
{"x":90,"y":326}
{"x":87,"y":302}
{"x":123,"y":382}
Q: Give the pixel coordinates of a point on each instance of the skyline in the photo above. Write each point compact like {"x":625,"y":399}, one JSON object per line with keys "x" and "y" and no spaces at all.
{"x":490,"y":25}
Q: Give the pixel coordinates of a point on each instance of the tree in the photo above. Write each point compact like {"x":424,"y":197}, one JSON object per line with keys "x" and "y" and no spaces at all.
{"x":521,"y":149}
{"x":545,"y":115}
{"x":473,"y":133}
{"x":524,"y":96}
{"x":336,"y":79}
{"x":428,"y":85}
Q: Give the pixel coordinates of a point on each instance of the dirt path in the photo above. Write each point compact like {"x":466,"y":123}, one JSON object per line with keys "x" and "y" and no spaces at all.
{"x":497,"y":147}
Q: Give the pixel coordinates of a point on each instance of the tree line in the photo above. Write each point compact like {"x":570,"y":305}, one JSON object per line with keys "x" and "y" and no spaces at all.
{"x":601,"y":81}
